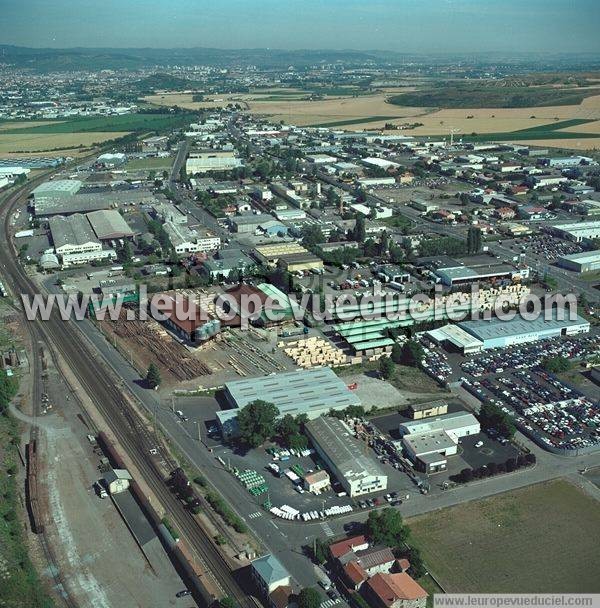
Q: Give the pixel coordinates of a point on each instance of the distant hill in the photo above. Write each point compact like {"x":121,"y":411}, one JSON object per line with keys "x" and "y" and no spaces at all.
{"x":51,"y":59}
{"x":48,"y":60}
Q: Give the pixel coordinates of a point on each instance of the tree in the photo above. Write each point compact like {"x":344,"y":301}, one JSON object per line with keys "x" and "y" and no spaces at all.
{"x":386,"y":367}
{"x":289,"y":430}
{"x":466,"y":475}
{"x":412,"y":353}
{"x":8,"y":389}
{"x":319,"y":551}
{"x":360,"y":231}
{"x":417,"y":567}
{"x":309,"y":598}
{"x":125,"y":253}
{"x":396,"y":355}
{"x":312,"y":236}
{"x":153,"y":376}
{"x":474,"y":240}
{"x":332,"y":199}
{"x":256,"y":422}
{"x":227,"y":602}
{"x":556,"y":365}
{"x":387,"y":528}
{"x":491,"y":416}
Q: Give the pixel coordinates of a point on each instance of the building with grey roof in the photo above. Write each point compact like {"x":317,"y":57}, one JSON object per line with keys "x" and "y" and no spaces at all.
{"x":456,"y":424}
{"x":345,"y":456}
{"x":108,"y":224}
{"x":85,"y":202}
{"x":269,"y":573}
{"x":587,"y":261}
{"x":59,"y":188}
{"x":312,"y":392}
{"x":75,"y":241}
{"x":495,"y":333}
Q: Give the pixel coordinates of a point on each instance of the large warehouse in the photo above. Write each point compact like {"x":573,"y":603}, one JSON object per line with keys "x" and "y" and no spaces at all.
{"x":579,"y":231}
{"x":587,"y":261}
{"x":494,"y":333}
{"x":344,"y":456}
{"x":75,"y":241}
{"x":312,"y":392}
{"x":109,"y":225}
{"x":59,"y":188}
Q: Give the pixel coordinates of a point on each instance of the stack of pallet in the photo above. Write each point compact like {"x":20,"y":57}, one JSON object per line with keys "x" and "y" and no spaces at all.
{"x":313,"y":352}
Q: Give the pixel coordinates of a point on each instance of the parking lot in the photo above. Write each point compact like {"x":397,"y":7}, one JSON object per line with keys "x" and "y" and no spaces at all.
{"x":540,"y":403}
{"x":279,"y":488}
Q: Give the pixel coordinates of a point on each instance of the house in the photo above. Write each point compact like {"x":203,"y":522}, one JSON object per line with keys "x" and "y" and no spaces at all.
{"x":268,"y":573}
{"x":281,"y":597}
{"x":375,"y":560}
{"x":354,"y":575}
{"x":505,"y":213}
{"x":317,"y":481}
{"x":394,"y":591}
{"x":348,"y":545}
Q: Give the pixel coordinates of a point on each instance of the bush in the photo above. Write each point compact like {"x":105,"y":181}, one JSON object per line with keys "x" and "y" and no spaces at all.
{"x":199,"y":480}
{"x":229,"y":517}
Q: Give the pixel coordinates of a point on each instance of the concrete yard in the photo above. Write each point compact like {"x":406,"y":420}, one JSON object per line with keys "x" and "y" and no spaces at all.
{"x":99,"y":561}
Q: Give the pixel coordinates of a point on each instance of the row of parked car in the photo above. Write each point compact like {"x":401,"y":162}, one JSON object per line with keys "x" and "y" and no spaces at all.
{"x":550,"y":247}
{"x":526,"y":356}
{"x":435,"y":363}
{"x":540,"y":403}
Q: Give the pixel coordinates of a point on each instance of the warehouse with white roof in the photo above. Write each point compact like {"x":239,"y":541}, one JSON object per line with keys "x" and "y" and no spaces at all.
{"x":312,"y":392}
{"x":587,"y":261}
{"x":345,"y":457}
{"x":427,"y":442}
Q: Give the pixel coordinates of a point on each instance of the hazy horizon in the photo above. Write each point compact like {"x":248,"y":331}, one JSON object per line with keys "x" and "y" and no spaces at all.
{"x":405,"y":26}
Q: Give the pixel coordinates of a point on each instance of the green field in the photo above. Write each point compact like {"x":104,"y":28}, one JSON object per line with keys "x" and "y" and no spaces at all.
{"x":543,"y":538}
{"x":104,"y":124}
{"x":547,"y":131}
{"x":491,"y":95}
{"x":354,"y":121}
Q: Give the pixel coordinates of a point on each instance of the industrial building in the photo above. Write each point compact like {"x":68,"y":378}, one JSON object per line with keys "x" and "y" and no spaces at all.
{"x":270,"y":254}
{"x":456,"y":424}
{"x":46,"y":206}
{"x":75,"y":242}
{"x":226,"y":261}
{"x":454,"y":337}
{"x":185,"y":240}
{"x":57,"y":189}
{"x":428,"y":442}
{"x":185,"y":319}
{"x":579,"y":231}
{"x":211,"y":160}
{"x":312,"y":392}
{"x":109,"y":225}
{"x":587,"y":261}
{"x":345,"y":456}
{"x":248,"y":223}
{"x":495,"y":333}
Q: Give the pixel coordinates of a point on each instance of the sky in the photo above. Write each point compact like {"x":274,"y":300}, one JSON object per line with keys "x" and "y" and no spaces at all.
{"x":412,"y":26}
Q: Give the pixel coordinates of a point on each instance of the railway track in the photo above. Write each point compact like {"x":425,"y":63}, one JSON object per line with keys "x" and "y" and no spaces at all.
{"x":124,"y":422}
